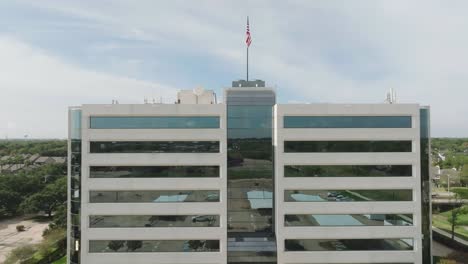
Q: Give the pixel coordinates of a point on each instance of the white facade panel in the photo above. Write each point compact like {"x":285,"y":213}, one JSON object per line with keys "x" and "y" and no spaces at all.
{"x":147,"y":184}
{"x":281,"y":208}
{"x":347,"y":183}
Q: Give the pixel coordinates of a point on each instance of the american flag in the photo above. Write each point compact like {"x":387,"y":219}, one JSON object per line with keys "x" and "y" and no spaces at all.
{"x":248,"y":39}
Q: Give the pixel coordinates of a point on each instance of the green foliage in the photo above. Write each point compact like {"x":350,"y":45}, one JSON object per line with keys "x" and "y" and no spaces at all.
{"x":133,"y":245}
{"x":48,"y":199}
{"x":20,"y":254}
{"x":49,"y":243}
{"x":9,"y":202}
{"x":41,"y":147}
{"x":464,"y":175}
{"x":454,"y":149}
{"x":462,"y":192}
{"x":15,"y":188}
{"x":115,"y":245}
{"x":456,"y":145}
{"x":61,"y":261}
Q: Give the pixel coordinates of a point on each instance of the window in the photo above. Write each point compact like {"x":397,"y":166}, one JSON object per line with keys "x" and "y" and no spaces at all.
{"x":348,"y":244}
{"x":347,"y":122}
{"x":154,"y":171}
{"x":153,"y":196}
{"x":130,"y":246}
{"x":119,"y":221}
{"x":154,"y":147}
{"x":347,"y":195}
{"x":347,"y":146}
{"x":153,"y":122}
{"x":348,"y":170}
{"x":348,"y":220}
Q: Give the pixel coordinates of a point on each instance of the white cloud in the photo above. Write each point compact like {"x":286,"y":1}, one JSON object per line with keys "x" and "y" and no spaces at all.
{"x":37,"y":88}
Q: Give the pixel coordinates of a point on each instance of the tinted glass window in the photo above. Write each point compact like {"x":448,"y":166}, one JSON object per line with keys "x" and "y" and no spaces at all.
{"x":347,"y":146}
{"x":348,"y":220}
{"x":149,"y":122}
{"x":154,"y":146}
{"x":129,"y":246}
{"x":154,"y":171}
{"x":101,"y":221}
{"x":347,"y":195}
{"x":153,"y":196}
{"x":348,"y":244}
{"x":348,"y":170}
{"x":347,"y":121}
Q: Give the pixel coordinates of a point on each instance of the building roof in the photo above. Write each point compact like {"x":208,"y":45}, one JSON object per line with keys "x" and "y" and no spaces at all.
{"x":42,"y":159}
{"x":59,"y":159}
{"x":34,"y":157}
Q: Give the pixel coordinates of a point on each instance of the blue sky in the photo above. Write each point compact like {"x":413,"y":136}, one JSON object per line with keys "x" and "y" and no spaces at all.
{"x":59,"y":53}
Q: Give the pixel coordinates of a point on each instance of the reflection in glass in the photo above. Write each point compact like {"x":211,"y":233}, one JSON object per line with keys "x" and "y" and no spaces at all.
{"x":348,"y":220}
{"x":154,"y":146}
{"x":75,"y":185}
{"x":348,"y":244}
{"x":347,"y":195}
{"x":347,"y":146}
{"x":153,"y":196}
{"x":250,"y":175}
{"x":153,"y":122}
{"x":154,"y":171}
{"x":129,"y":246}
{"x":348,"y":170}
{"x":425,"y":152}
{"x":101,"y":221}
{"x":347,"y":122}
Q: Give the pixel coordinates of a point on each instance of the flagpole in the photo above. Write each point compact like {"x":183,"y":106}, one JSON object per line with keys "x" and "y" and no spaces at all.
{"x":247,"y":63}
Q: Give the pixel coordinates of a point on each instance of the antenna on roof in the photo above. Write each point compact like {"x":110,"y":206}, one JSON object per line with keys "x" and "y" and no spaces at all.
{"x":390,"y":97}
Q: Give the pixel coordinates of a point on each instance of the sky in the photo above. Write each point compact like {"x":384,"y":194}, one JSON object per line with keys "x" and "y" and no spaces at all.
{"x":55,"y":54}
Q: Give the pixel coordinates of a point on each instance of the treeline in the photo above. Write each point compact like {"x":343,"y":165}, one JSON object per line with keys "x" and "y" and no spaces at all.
{"x":456,"y":145}
{"x":40,"y":193}
{"x":56,"y":148}
{"x":455,"y":151}
{"x":41,"y":190}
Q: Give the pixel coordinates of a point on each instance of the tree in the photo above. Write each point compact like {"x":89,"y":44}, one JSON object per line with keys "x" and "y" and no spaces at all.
{"x":196,"y":244}
{"x":133,"y":245}
{"x":47,"y":200}
{"x":115,"y":245}
{"x":9,"y":202}
{"x":456,"y":213}
{"x":464,"y":175}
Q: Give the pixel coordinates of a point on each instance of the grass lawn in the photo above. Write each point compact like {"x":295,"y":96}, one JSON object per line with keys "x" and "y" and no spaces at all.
{"x":462,"y":191}
{"x":441,"y":221}
{"x":61,"y":261}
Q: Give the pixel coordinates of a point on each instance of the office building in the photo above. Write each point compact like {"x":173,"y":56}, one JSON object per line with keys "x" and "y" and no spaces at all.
{"x":248,"y":181}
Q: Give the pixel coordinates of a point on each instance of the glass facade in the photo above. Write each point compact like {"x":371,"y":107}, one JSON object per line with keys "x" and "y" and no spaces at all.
{"x":348,"y":220}
{"x":250,"y":175}
{"x":119,"y":221}
{"x":348,"y":195}
{"x":348,"y":244}
{"x":154,"y":146}
{"x":347,"y":122}
{"x":347,"y":146}
{"x":154,"y":172}
{"x":348,"y":170}
{"x":153,"y":122}
{"x":426,"y":209}
{"x":153,"y":196}
{"x":134,"y":246}
{"x":75,"y":185}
